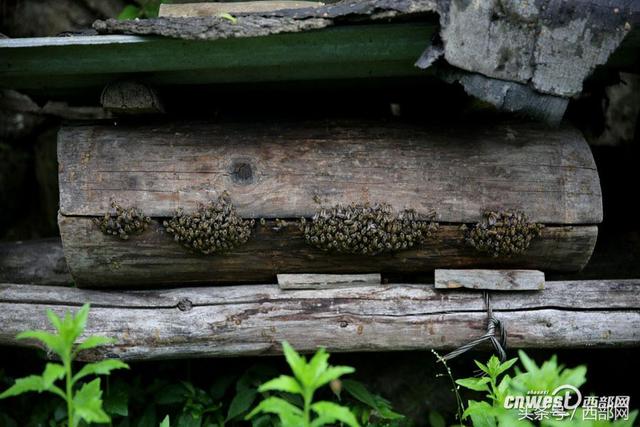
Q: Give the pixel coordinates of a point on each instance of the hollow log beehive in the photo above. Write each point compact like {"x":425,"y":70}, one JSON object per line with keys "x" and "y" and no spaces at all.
{"x":286,"y":171}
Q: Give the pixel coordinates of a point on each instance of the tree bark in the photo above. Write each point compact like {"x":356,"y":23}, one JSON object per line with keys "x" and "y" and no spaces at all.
{"x":254,"y":319}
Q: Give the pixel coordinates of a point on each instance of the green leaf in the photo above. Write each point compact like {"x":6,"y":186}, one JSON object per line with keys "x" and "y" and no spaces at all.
{"x":483,"y":368}
{"x":481,"y":414}
{"x":282,"y":383}
{"x":436,"y":420}
{"x":318,"y":364}
{"x":529,"y":365}
{"x":54,"y":320}
{"x":377,"y":403}
{"x":94,"y":341}
{"x":129,"y":12}
{"x":173,"y":393}
{"x":88,"y":403}
{"x":166,"y":422}
{"x":477,"y":384}
{"x":506,"y":365}
{"x":103,"y":367}
{"x":24,"y":385}
{"x":331,"y":373}
{"x":52,"y":373}
{"x":116,"y":401}
{"x":329,"y":412}
{"x":289,"y":415}
{"x":220,"y":386}
{"x":228,"y":17}
{"x":241,"y":403}
{"x":297,"y":363}
{"x":54,"y":342}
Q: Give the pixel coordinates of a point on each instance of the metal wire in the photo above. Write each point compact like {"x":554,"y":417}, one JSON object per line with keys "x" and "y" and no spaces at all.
{"x":494,"y":327}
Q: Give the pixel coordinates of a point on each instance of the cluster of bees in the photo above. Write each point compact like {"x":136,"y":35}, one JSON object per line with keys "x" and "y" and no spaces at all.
{"x":366,"y":229}
{"x":213,"y":228}
{"x":353,"y":229}
{"x":502,"y":233}
{"x":122,"y":222}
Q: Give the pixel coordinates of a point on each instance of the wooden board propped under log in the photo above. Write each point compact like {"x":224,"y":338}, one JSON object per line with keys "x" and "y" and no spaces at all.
{"x":254,"y":319}
{"x":494,"y":280}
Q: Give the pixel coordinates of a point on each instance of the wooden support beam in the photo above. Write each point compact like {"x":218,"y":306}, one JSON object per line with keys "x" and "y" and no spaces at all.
{"x":493,"y":280}
{"x":254,"y":319}
{"x":37,"y":262}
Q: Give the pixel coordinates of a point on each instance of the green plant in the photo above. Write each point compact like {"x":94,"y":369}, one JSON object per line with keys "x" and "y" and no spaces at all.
{"x":498,"y":384}
{"x":308,"y":378}
{"x":83,"y":399}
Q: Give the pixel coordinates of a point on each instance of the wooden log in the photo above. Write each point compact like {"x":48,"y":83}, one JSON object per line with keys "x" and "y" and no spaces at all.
{"x":130,"y":97}
{"x":280,"y":170}
{"x":494,"y":280}
{"x":190,"y":10}
{"x":327,"y":281}
{"x":37,"y":262}
{"x":292,"y":170}
{"x":154,"y":259}
{"x":254,"y":319}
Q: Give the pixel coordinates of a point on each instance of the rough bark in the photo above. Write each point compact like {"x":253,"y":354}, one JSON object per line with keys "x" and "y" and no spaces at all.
{"x":253,"y":320}
{"x":154,"y":259}
{"x":290,"y":170}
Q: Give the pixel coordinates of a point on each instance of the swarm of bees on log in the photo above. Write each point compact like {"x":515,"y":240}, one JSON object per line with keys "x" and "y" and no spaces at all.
{"x":213,"y":228}
{"x":366,"y":229}
{"x":502,"y":233}
{"x":122,"y":222}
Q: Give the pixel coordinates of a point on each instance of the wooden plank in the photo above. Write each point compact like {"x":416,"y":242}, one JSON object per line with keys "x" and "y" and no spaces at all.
{"x":254,"y":319}
{"x":456,"y":173}
{"x":494,"y":280}
{"x":154,"y":259}
{"x":190,"y":10}
{"x":63,"y":64}
{"x":37,"y":262}
{"x":326,"y":281}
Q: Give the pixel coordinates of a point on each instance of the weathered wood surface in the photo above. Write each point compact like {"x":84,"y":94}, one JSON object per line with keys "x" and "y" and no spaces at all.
{"x":130,"y":97}
{"x":494,"y":280}
{"x":154,"y":259}
{"x":326,"y":281}
{"x":189,"y":10}
{"x":254,"y":319}
{"x":38,"y":262}
{"x":282,"y":169}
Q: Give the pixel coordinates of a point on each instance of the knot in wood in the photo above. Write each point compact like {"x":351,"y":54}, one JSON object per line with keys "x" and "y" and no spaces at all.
{"x":241,"y":172}
{"x":185,"y":304}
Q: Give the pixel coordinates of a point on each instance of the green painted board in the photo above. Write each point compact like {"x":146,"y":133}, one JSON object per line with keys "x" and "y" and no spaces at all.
{"x":58,"y":64}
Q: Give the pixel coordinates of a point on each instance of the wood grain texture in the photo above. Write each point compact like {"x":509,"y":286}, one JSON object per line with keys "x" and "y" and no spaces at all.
{"x":154,"y":259}
{"x":189,"y":10}
{"x":327,"y":281}
{"x":277,"y":169}
{"x":254,"y":319}
{"x":495,"y":280}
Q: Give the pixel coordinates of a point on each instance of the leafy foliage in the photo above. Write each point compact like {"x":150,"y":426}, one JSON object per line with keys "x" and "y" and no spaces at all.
{"x":308,"y":378}
{"x":497,"y":384}
{"x":83,"y":399}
